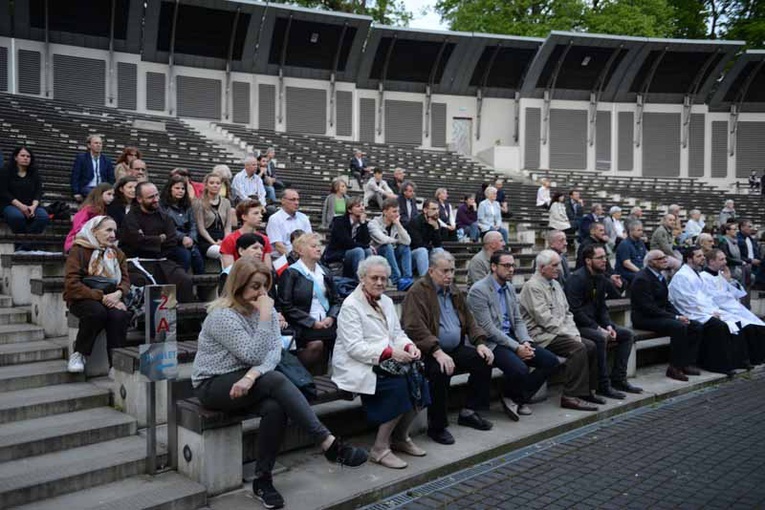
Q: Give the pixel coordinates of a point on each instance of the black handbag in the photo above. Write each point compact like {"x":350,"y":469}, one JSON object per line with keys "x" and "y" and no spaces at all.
{"x":106,"y":285}
{"x":294,"y":370}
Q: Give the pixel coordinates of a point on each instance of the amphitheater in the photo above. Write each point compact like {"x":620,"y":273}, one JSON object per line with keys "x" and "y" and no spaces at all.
{"x":194,"y":83}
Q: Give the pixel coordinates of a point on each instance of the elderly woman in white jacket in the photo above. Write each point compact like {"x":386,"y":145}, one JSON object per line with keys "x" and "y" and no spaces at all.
{"x":369,"y":333}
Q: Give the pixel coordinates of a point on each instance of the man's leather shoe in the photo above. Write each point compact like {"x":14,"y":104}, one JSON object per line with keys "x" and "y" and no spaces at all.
{"x":626,"y":386}
{"x":594,"y":399}
{"x":576,"y":404}
{"x":524,"y":410}
{"x":676,"y":373}
{"x":691,"y":370}
{"x":442,"y":436}
{"x":510,"y":408}
{"x":475,"y":421}
{"x":609,"y":392}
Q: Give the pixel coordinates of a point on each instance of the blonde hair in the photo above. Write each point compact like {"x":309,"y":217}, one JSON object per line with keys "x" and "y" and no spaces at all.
{"x":241,"y":273}
{"x":303,"y":240}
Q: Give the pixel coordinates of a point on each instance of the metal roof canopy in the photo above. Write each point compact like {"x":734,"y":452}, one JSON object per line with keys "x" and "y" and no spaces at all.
{"x":103,"y":18}
{"x":310,"y":43}
{"x":174,"y":27}
{"x":675,"y":70}
{"x":743,"y":85}
{"x":573,"y":66}
{"x":436,"y":59}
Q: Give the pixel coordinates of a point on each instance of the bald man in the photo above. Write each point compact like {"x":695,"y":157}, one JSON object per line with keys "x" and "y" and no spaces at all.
{"x":479,"y":266}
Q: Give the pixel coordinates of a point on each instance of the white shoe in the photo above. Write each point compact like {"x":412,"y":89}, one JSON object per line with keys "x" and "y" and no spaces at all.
{"x":76,"y":363}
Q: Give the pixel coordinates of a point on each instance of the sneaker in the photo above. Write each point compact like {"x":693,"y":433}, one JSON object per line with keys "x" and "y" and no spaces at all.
{"x":345,"y":454}
{"x":404,"y":284}
{"x":76,"y":363}
{"x":263,"y":489}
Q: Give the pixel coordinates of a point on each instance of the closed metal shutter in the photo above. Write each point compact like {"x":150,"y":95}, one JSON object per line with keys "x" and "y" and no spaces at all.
{"x":438,"y":124}
{"x":127,"y":86}
{"x":403,"y":122}
{"x":344,"y":113}
{"x":568,"y":139}
{"x":155,"y":91}
{"x":3,"y":68}
{"x":198,"y":97}
{"x":603,"y":141}
{"x":29,"y":72}
{"x":696,"y":146}
{"x":80,"y":80}
{"x":626,"y":145}
{"x":266,"y":106}
{"x":240,"y":92}
{"x":661,"y":144}
{"x":720,"y":148}
{"x":306,"y":111}
{"x":531,"y":145}
{"x":750,"y":148}
{"x":367,"y":121}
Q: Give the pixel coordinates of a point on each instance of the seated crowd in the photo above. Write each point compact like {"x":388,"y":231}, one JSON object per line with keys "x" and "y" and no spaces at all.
{"x":277,"y":280}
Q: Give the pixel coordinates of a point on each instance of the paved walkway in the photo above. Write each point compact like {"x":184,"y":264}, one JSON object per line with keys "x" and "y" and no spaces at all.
{"x":701,"y":450}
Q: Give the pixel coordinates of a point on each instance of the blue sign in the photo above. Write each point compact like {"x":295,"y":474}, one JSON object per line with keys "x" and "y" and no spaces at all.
{"x":159,"y":361}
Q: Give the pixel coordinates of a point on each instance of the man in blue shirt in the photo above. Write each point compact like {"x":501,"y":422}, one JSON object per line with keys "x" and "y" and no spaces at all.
{"x":631,"y":252}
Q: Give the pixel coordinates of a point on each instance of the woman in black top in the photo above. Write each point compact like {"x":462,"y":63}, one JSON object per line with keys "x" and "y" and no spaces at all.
{"x":174,"y":200}
{"x":20,"y":194}
{"x":124,"y":194}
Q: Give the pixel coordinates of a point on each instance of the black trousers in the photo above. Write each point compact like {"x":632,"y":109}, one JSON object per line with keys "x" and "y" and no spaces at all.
{"x":684,"y":339}
{"x":95,"y":317}
{"x":165,"y":272}
{"x":720,"y":350}
{"x":466,"y":359}
{"x":755,"y":343}
{"x":581,"y":367}
{"x":624,"y":340}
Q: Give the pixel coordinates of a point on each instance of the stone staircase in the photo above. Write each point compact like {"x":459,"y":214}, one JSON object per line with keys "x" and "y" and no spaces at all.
{"x":234,"y":146}
{"x":61,"y":445}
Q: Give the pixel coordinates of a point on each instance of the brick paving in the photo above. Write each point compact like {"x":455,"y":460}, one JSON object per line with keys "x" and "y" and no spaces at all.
{"x":704,"y":450}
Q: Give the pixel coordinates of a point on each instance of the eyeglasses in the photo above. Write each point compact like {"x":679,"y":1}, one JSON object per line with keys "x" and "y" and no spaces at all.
{"x":507,"y":265}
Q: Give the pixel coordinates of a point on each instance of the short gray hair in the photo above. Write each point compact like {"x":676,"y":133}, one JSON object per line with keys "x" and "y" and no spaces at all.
{"x":370,"y":262}
{"x":545,"y":258}
{"x":694,"y":211}
{"x":438,"y":256}
{"x":705,"y":236}
{"x":551,"y":235}
{"x":489,"y":190}
{"x":729,"y":201}
{"x":651,"y":255}
{"x":636,"y":209}
{"x":595,"y":206}
{"x":634,"y":224}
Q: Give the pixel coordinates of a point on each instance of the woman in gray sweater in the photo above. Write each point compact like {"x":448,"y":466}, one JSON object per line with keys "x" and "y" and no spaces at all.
{"x":239,"y":347}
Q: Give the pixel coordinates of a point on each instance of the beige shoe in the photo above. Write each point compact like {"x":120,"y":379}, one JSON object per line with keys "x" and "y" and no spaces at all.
{"x":388,"y":459}
{"x":408,"y":447}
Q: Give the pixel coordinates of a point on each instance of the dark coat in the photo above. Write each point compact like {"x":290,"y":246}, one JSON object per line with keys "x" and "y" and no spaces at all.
{"x":76,"y":268}
{"x":82,"y":172}
{"x":340,"y":239}
{"x":423,"y":234}
{"x":649,"y":298}
{"x":586,"y":296}
{"x":574,"y":212}
{"x":405,"y":218}
{"x":742,"y":248}
{"x":140,"y":233}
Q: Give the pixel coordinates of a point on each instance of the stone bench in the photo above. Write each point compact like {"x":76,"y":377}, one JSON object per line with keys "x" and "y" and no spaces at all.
{"x":19,"y":269}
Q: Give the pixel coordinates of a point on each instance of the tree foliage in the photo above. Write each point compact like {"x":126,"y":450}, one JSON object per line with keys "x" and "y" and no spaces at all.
{"x":386,"y":12}
{"x":647,"y":18}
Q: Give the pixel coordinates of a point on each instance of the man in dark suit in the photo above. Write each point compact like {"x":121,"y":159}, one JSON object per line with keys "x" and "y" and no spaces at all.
{"x":359,"y":167}
{"x":407,"y":204}
{"x":652,"y":310}
{"x":595,"y":214}
{"x":90,"y":169}
{"x":750,"y":250}
{"x":574,"y":210}
{"x":349,"y":238}
{"x":586,"y":291}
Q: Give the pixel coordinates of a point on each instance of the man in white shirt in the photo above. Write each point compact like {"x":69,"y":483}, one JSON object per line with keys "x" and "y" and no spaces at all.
{"x":247,"y":184}
{"x":543,"y":195}
{"x":391,"y":240}
{"x":285,"y":221}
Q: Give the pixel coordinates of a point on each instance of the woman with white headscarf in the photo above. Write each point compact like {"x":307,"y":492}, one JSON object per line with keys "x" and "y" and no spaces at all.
{"x":96,"y":281}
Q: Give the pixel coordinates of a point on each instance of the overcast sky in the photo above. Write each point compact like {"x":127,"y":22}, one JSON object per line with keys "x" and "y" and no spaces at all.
{"x":429,"y":20}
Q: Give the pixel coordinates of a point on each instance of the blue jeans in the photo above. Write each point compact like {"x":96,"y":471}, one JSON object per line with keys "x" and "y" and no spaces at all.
{"x":501,"y":230}
{"x":399,"y":259}
{"x":189,"y":259}
{"x":270,"y":193}
{"x":352,"y":259}
{"x":520,"y":384}
{"x":420,"y":260}
{"x":20,"y":224}
{"x":472,"y":231}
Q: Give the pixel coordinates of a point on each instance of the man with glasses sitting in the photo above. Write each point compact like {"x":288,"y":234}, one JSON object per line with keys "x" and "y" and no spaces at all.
{"x":586,"y":291}
{"x":495,"y":307}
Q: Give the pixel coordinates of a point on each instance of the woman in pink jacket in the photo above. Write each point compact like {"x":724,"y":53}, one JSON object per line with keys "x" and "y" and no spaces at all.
{"x":95,"y":204}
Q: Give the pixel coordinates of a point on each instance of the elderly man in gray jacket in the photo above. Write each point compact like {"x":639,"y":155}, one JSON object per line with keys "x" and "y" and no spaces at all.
{"x":495,"y":308}
{"x":663,"y":239}
{"x":545,"y":311}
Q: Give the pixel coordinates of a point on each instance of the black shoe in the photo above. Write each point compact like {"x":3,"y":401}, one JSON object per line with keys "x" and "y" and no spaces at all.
{"x":345,"y":454}
{"x":263,"y":489}
{"x":626,"y":386}
{"x":442,"y":436}
{"x":691,"y":370}
{"x":593,"y":399}
{"x":475,"y":421}
{"x":609,"y":392}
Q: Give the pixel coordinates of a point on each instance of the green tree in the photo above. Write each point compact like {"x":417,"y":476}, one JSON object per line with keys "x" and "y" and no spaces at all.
{"x":746,"y":21}
{"x":646,"y":18}
{"x":386,"y":12}
{"x":517,"y":17}
{"x":690,"y":18}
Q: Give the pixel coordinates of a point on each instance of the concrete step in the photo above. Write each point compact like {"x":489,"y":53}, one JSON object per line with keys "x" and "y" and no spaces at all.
{"x":24,"y":481}
{"x":30,"y":352}
{"x":167,"y":491}
{"x":15,"y":315}
{"x":50,"y":400}
{"x":35,"y":375}
{"x":6,"y":301}
{"x":50,"y":434}
{"x":17,"y":333}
